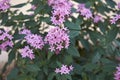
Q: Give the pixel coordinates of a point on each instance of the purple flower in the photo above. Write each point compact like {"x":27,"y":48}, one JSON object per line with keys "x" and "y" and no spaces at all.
{"x":5,"y":44}
{"x":64,"y":69}
{"x":97,"y":18}
{"x":4,"y":4}
{"x":117,"y":73}
{"x":84,"y":11}
{"x":71,"y":67}
{"x":57,"y":18}
{"x":57,"y":70}
{"x":51,"y":2}
{"x":33,"y":7}
{"x":57,"y":38}
{"x":25,"y":31}
{"x":34,"y":40}
{"x":118,"y":5}
{"x":115,"y":19}
{"x":27,"y":52}
{"x":6,"y":39}
{"x":62,"y":9}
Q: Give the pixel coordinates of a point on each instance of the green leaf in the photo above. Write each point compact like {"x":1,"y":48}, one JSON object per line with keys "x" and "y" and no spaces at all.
{"x":73,"y":34}
{"x":74,"y":29}
{"x":61,"y":77}
{"x":39,"y":9}
{"x":4,"y":18}
{"x":84,"y":42}
{"x":33,"y":68}
{"x":72,"y":26}
{"x":68,"y":59}
{"x":73,"y":51}
{"x":111,"y":35}
{"x":59,"y":63}
{"x":18,"y":5}
{"x":51,"y":76}
{"x":12,"y":54}
{"x":13,"y":74}
{"x":68,"y":77}
{"x":111,"y":3}
{"x":50,"y":54}
{"x":96,"y":57}
{"x":21,"y":16}
{"x":31,"y":23}
{"x":19,"y":36}
{"x":90,"y":66}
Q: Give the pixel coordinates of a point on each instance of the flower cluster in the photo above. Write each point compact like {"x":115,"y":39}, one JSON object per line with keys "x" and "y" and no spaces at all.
{"x":58,"y":39}
{"x":4,"y":4}
{"x":115,"y":19}
{"x":84,"y":11}
{"x":97,"y":18}
{"x":25,"y":31}
{"x":117,"y":73}
{"x":64,"y":69}
{"x":6,"y":39}
{"x":34,"y":40}
{"x":27,"y":52}
{"x":62,"y":9}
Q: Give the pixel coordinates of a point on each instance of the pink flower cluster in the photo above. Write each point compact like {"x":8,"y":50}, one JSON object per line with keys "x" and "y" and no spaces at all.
{"x":97,"y":18}
{"x":117,"y":73}
{"x":58,"y":39}
{"x":84,"y":11}
{"x":25,"y":31}
{"x":34,"y":40}
{"x":6,"y":39}
{"x":115,"y":19}
{"x":64,"y":69}
{"x":62,"y":9}
{"x":27,"y":52}
{"x":4,"y":4}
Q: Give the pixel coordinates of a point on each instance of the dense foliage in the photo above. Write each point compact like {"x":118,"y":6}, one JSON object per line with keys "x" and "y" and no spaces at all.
{"x":62,"y":40}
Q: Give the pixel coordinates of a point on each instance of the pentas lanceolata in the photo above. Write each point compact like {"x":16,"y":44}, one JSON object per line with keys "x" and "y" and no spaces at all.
{"x":97,"y":18}
{"x":27,"y":52}
{"x":25,"y":31}
{"x":85,"y":12}
{"x":61,"y":10}
{"x":64,"y":69}
{"x":117,"y":73}
{"x":33,"y":7}
{"x":4,"y":4}
{"x":5,"y":40}
{"x":118,"y":5}
{"x":58,"y":39}
{"x":115,"y":19}
{"x":34,"y":40}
